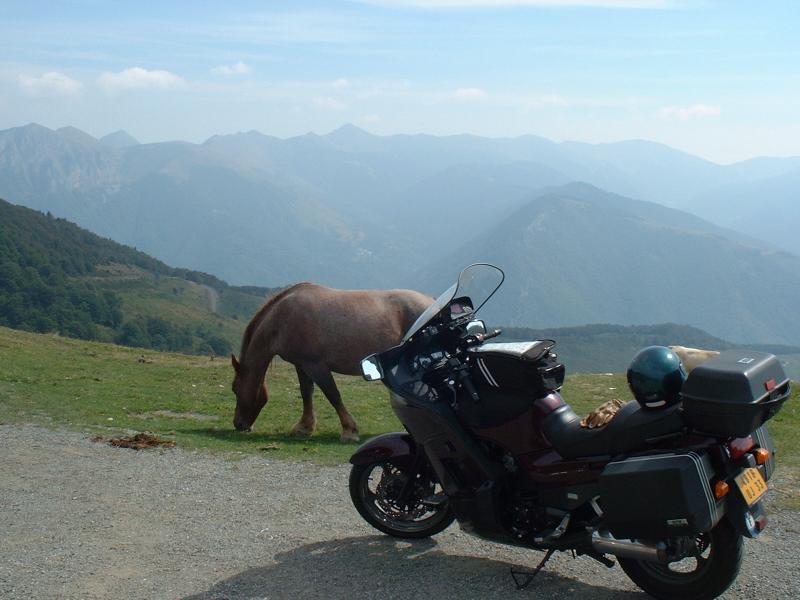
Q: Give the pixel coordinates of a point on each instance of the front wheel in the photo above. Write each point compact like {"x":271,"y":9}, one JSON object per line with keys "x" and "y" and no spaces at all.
{"x":398,"y":502}
{"x":703,"y":576}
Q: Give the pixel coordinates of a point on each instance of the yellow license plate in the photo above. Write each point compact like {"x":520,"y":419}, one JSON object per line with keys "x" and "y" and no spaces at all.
{"x":752,"y":485}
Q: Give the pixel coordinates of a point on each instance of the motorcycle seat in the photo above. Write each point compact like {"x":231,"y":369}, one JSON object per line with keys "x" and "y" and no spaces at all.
{"x":632,"y":428}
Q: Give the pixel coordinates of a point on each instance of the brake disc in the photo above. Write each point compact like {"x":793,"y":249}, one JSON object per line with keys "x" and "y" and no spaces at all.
{"x":387,"y":491}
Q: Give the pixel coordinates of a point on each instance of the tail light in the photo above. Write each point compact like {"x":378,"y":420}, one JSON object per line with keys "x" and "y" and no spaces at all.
{"x":740,"y":446}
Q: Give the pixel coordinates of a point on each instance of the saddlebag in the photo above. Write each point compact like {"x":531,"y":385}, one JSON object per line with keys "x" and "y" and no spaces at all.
{"x":654,"y":497}
{"x":733,"y":394}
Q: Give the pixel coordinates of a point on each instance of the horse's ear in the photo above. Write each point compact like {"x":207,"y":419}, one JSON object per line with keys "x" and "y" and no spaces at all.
{"x":235,"y":363}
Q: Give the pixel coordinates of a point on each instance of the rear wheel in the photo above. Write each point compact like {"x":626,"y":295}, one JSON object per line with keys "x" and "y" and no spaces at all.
{"x":703,"y":576}
{"x":397,"y":502}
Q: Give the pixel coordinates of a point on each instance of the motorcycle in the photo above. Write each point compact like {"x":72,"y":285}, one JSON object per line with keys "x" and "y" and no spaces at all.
{"x":669,"y":491}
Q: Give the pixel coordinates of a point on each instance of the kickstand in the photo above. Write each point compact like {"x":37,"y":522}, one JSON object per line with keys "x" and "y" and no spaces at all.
{"x":523,"y":578}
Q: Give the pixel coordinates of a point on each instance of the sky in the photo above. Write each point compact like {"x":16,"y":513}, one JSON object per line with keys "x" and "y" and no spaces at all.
{"x":716,"y":79}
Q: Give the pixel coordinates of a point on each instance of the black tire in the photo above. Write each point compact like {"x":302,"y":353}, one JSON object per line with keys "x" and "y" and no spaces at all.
{"x":714,"y":571}
{"x":414,"y":520}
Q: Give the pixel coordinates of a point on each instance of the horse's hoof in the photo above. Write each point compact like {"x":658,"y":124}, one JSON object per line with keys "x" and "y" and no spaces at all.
{"x":303,"y":429}
{"x":350,"y":437}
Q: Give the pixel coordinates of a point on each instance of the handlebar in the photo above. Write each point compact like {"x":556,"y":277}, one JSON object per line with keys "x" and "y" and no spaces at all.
{"x":479,"y":338}
{"x":487,"y":336}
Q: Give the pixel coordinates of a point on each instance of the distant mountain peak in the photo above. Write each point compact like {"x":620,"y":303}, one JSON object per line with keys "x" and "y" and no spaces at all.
{"x":119,"y":139}
{"x":348,"y":131}
{"x":76,"y":135}
{"x":31,"y":127}
{"x":239,"y":135}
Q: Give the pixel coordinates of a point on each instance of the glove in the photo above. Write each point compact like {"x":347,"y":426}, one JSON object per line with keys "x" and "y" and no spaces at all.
{"x":602,"y":414}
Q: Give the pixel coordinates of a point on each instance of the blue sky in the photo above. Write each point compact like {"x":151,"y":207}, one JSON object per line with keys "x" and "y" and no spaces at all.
{"x":718,"y":79}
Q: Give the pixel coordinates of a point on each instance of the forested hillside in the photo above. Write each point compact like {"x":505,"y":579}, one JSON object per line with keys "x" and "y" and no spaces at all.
{"x":57,"y":277}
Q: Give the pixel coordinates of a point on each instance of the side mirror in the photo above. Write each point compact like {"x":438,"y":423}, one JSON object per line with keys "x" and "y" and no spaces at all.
{"x":371,"y":368}
{"x":476,"y":327}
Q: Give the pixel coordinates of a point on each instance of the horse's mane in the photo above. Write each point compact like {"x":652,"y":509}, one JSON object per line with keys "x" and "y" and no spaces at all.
{"x":261,"y":313}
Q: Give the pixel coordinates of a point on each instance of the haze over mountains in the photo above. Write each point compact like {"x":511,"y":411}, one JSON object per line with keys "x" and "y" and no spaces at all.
{"x":580,"y":255}
{"x":352,"y":209}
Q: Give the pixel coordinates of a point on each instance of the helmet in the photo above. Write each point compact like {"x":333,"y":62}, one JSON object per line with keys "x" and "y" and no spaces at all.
{"x":656,"y":376}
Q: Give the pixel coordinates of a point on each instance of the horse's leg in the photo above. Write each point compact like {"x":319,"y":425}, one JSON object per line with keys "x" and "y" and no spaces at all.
{"x":321,"y":375}
{"x":308,"y":422}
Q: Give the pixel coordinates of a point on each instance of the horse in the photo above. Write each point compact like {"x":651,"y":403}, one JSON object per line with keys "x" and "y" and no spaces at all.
{"x":319,"y":330}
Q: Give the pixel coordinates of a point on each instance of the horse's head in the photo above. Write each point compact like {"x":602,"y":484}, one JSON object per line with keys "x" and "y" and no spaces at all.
{"x":251,"y":394}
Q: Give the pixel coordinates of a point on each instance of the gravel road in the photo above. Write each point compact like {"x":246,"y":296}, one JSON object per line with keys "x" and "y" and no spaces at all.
{"x":79,"y":519}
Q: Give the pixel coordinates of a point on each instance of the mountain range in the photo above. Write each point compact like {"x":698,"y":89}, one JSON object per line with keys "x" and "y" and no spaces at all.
{"x":577,"y":254}
{"x":352,"y":209}
{"x":58,"y":278}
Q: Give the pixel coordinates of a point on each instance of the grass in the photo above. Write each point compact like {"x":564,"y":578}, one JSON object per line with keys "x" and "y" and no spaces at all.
{"x":111,"y":390}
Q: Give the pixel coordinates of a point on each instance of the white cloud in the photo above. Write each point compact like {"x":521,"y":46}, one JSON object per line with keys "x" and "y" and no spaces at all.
{"x":137,"y":78}
{"x":684,"y":113}
{"x":372,"y":118}
{"x":49,"y":84}
{"x":341,"y":83}
{"x":471,"y":93}
{"x":238,"y":68}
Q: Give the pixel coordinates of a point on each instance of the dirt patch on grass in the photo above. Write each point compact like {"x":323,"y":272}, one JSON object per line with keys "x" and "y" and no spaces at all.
{"x":140,"y":441}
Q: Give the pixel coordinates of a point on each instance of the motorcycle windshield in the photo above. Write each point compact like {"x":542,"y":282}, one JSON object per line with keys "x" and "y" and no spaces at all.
{"x":477,"y":283}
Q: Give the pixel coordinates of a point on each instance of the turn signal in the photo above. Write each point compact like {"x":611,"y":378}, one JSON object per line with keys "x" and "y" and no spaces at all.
{"x":762,"y":456}
{"x":721,"y":489}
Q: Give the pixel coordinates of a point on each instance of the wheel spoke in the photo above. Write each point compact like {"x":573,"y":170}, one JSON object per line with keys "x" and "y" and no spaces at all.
{"x":382,"y":489}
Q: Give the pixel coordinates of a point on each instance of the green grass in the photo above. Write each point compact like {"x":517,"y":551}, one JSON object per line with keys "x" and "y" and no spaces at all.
{"x":112,"y":390}
{"x":109,"y":390}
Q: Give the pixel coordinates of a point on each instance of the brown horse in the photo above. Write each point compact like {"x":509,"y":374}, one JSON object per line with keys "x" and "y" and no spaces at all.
{"x":318,"y":330}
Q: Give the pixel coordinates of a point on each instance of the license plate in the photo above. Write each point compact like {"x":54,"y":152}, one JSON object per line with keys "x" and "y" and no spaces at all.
{"x":752,"y":485}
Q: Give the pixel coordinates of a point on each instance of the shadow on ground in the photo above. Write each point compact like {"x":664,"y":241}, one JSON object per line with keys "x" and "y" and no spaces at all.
{"x":381,"y":567}
{"x":228,"y":434}
{"x":324,"y":442}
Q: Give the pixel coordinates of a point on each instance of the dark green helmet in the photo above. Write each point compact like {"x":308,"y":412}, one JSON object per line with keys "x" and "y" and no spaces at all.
{"x":656,"y":377}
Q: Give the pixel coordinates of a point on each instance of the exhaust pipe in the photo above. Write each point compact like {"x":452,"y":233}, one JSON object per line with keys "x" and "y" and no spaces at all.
{"x":606,"y":543}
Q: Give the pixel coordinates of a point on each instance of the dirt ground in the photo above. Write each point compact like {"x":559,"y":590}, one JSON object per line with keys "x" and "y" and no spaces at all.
{"x":81,"y":519}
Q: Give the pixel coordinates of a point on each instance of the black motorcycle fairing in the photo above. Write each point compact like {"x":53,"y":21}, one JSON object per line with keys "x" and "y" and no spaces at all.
{"x":631,"y":429}
{"x":456,"y":456}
